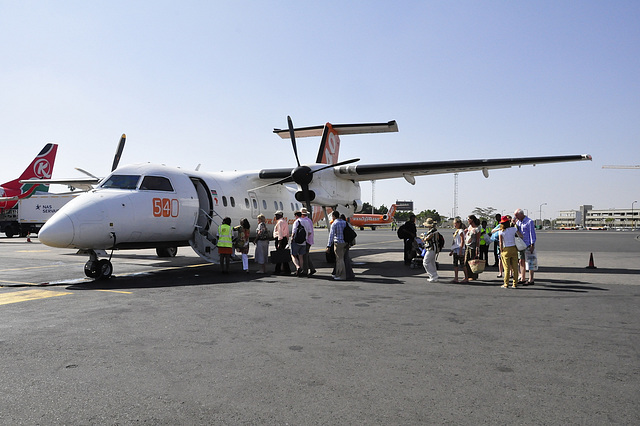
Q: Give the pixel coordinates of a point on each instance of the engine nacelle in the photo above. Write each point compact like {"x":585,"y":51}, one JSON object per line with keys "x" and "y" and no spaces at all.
{"x":357,"y":206}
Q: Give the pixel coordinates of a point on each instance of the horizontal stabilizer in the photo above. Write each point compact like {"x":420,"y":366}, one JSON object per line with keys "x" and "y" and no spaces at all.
{"x":341,"y":129}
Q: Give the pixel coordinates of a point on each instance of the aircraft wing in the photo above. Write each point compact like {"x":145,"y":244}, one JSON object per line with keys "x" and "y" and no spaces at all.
{"x":363,"y":172}
{"x":84,"y":184}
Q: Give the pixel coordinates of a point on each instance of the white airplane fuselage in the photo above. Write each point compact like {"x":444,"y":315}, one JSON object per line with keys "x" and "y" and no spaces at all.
{"x":150,"y":205}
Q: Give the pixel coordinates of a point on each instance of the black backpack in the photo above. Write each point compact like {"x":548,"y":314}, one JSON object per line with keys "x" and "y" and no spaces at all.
{"x":300,"y":237}
{"x":401,"y":232}
{"x":349,"y":235}
{"x":440,"y":242}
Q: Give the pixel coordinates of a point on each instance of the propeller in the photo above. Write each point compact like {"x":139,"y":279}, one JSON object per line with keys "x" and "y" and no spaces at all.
{"x":116,"y":158}
{"x":303,"y":175}
{"x":292,"y":133}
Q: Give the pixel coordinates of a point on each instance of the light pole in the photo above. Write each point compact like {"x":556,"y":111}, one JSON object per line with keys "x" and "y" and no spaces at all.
{"x":543,"y":204}
{"x":632,"y":218}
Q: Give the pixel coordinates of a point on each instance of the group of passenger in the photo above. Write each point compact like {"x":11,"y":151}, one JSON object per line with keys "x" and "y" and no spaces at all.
{"x":300,"y":240}
{"x":472,"y":241}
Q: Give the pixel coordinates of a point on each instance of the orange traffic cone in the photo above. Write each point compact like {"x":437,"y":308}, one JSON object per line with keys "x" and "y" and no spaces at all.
{"x":591,"y":265}
{"x":28,"y":238}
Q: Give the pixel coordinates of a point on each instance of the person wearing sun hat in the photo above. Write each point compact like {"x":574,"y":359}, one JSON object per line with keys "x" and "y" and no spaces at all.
{"x":431,"y":249}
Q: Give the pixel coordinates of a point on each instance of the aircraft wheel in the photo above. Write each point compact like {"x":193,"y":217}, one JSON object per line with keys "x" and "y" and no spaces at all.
{"x":167,"y":251}
{"x":91,"y":269}
{"x":105,"y":269}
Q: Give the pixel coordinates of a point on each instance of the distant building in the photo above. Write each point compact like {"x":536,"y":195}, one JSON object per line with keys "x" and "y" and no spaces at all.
{"x":588,"y":217}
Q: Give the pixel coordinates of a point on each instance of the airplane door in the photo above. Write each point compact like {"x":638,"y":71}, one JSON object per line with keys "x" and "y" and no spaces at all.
{"x":202,"y":241}
{"x":255,"y":207}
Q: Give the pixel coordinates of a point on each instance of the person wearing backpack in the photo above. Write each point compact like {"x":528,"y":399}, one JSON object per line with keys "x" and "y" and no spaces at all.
{"x":336,"y":239}
{"x":432,"y":248}
{"x":408,"y":233}
{"x":299,"y":243}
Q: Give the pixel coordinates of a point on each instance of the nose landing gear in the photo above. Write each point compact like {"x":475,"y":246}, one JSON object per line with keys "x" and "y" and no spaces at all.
{"x":100,"y":269}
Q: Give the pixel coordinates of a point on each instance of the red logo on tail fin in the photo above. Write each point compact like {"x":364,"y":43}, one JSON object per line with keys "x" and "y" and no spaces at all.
{"x":329,"y":146}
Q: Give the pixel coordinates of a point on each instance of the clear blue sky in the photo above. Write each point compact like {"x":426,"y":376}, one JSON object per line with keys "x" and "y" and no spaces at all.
{"x":194,"y":82}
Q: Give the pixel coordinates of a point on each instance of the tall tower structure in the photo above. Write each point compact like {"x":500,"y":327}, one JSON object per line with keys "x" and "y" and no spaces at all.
{"x":455,"y":195}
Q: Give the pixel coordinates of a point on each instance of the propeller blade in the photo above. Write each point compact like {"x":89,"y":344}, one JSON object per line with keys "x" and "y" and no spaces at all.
{"x":307,"y":197}
{"x":86,"y":173}
{"x":292,"y":133}
{"x":341,"y":163}
{"x":116,"y":158}
{"x":281,"y":181}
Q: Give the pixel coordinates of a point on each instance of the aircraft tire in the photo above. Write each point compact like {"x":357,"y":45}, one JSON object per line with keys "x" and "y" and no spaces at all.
{"x":105,"y":269}
{"x":91,"y":269}
{"x":167,"y":251}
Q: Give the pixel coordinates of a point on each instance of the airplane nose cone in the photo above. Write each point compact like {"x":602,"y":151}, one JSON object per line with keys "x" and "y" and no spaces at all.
{"x":57,"y":231}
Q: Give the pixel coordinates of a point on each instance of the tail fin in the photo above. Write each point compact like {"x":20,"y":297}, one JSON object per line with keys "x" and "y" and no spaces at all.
{"x":329,"y":146}
{"x":392,"y":211}
{"x":40,"y":168}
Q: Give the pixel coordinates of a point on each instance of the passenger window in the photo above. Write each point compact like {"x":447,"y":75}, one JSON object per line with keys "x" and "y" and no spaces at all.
{"x":264,"y":204}
{"x":224,"y":201}
{"x":292,"y":209}
{"x":121,"y":182}
{"x":233,"y":201}
{"x":156,"y":183}
{"x":281,"y":207}
{"x":246,"y":203}
{"x":255,"y":203}
{"x":275,"y":205}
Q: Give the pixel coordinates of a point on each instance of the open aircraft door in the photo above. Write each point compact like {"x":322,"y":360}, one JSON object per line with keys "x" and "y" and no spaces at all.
{"x":204,"y":235}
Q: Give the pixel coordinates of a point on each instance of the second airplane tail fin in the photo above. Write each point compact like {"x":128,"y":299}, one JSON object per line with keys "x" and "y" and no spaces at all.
{"x":392,"y":211}
{"x":40,"y":168}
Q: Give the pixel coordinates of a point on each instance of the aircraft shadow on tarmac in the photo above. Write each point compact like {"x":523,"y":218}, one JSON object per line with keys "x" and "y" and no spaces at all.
{"x":172,"y":274}
{"x":391,"y":272}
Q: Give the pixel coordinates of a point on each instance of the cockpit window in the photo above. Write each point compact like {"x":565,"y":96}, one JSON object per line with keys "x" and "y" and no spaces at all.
{"x":121,"y":182}
{"x":156,"y":183}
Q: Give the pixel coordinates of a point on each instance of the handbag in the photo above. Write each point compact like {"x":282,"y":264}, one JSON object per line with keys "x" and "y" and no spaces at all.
{"x":280,"y":256}
{"x":330,"y":255}
{"x":477,"y":266}
{"x":520,"y":244}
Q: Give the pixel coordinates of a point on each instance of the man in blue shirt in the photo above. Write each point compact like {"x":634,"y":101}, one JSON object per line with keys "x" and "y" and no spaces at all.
{"x":528,"y":229}
{"x":336,"y":237}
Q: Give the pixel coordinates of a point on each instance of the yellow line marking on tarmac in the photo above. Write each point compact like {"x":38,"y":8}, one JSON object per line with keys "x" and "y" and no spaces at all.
{"x":26,"y":295}
{"x":117,"y":291}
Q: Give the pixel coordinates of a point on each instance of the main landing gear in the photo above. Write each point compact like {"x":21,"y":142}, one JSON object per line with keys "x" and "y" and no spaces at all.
{"x":100,"y":269}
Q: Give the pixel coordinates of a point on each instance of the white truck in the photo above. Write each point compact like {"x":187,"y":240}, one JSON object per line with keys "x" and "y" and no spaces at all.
{"x":33,"y":212}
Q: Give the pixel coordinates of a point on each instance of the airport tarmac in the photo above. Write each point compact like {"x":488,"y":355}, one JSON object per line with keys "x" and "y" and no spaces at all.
{"x":172,"y":341}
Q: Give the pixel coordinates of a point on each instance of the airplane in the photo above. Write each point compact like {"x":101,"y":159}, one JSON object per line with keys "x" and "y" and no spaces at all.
{"x":156,"y":206}
{"x":372,"y":220}
{"x":39,"y":170}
